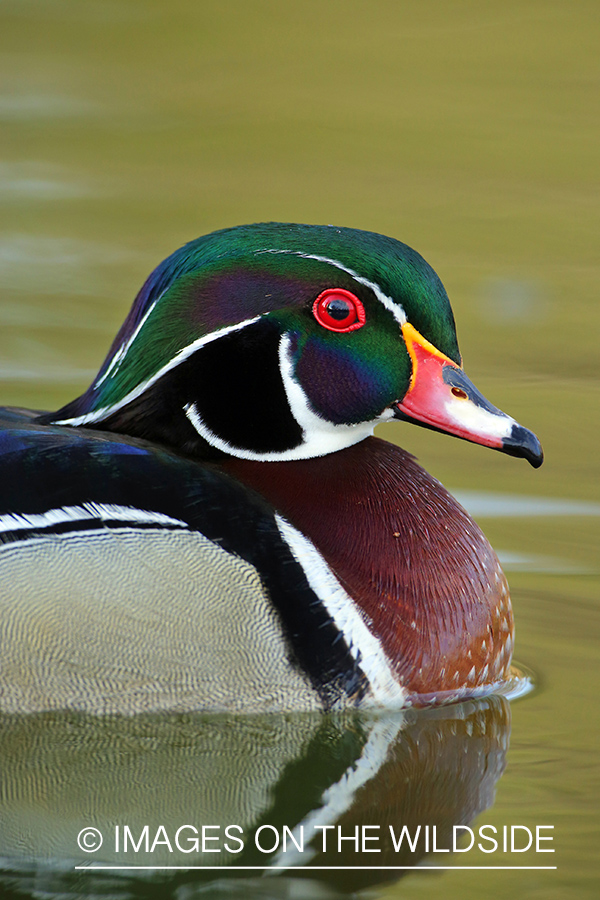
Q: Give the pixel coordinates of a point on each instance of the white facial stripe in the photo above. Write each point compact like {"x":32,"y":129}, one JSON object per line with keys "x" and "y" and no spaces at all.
{"x":103,"y":512}
{"x":478,"y":420}
{"x":122,"y":351}
{"x":395,"y":308}
{"x":117,"y":359}
{"x":363,"y":646}
{"x":99,"y":414}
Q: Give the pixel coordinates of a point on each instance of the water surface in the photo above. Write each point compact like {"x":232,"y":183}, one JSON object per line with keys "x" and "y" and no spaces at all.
{"x":465,"y":130}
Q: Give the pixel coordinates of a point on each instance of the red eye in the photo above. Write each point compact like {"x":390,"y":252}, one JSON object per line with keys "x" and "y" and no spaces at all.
{"x":339,"y":310}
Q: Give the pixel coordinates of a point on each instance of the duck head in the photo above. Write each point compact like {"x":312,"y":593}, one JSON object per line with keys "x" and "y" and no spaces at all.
{"x":275,"y":342}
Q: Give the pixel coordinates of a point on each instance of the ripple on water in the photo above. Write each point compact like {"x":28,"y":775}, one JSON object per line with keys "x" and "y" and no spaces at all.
{"x":486,"y":504}
{"x":550,"y":565}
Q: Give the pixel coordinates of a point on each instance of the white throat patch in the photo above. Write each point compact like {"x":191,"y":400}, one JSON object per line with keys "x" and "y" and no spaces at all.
{"x":319,"y":437}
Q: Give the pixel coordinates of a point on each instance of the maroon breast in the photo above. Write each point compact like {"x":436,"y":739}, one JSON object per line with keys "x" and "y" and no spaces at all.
{"x":426,"y":579}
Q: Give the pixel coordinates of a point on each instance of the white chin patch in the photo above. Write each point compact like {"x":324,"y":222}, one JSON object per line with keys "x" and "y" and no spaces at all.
{"x":318,"y":443}
{"x":319,"y":437}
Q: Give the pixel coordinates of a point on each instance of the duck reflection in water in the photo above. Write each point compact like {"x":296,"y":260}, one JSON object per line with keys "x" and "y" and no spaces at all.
{"x":63,"y":771}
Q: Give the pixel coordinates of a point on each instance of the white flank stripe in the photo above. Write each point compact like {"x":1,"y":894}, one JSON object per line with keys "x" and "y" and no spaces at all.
{"x":362,"y":644}
{"x":99,"y":414}
{"x":395,"y":308}
{"x":104,"y":512}
{"x":338,"y":798}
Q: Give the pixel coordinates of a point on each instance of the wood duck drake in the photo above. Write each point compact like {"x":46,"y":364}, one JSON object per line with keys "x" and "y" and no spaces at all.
{"x":211,"y":524}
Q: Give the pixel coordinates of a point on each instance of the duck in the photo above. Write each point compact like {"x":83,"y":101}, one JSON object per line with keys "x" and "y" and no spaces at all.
{"x":212,"y":524}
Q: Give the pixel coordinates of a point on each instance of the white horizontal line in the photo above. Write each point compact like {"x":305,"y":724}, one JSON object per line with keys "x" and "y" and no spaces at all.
{"x":426,"y":868}
{"x":104,"y":512}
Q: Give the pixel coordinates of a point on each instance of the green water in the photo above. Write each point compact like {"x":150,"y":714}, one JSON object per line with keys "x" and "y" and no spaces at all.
{"x":464,"y":129}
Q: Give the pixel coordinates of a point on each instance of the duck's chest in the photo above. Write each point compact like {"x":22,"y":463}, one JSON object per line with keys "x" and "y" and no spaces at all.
{"x":416,"y":567}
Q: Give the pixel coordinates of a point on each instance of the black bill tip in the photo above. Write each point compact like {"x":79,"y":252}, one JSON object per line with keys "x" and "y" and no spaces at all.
{"x":522,"y":442}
